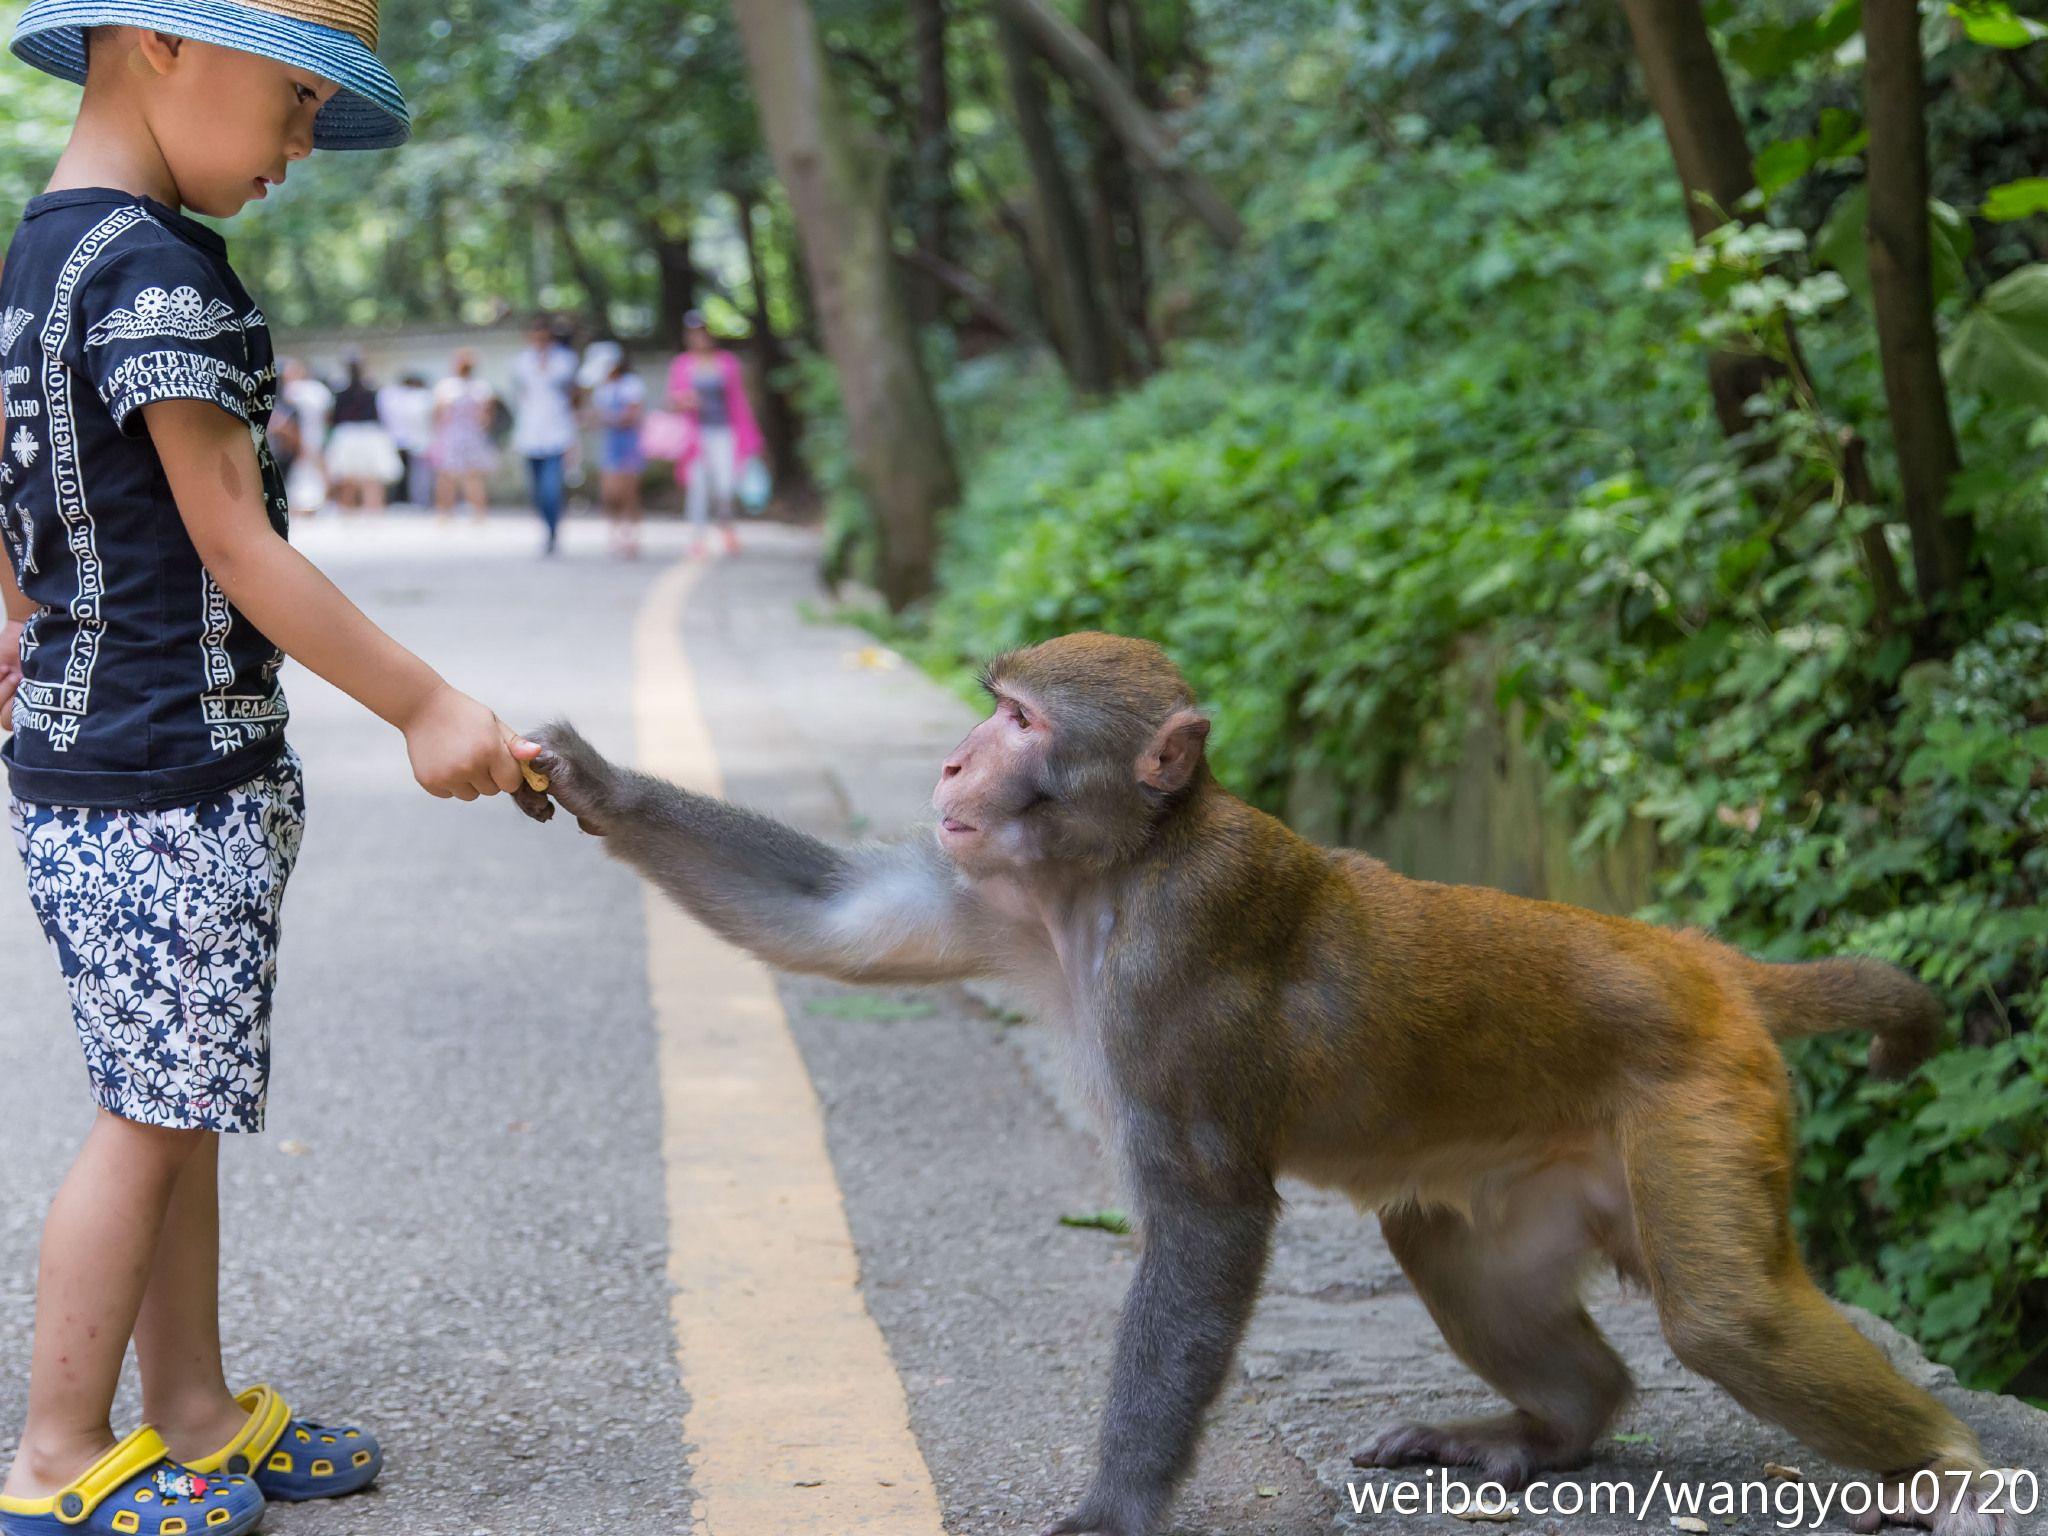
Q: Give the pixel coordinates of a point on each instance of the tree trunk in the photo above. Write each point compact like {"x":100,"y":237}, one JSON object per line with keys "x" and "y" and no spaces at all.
{"x":972,"y":292}
{"x":931,"y":169}
{"x":1074,"y":308}
{"x":676,"y":293}
{"x":1067,"y":48}
{"x":781,"y":427}
{"x":597,"y":296}
{"x":1690,"y":93}
{"x":1902,"y":291}
{"x":1116,"y":208}
{"x":836,"y":175}
{"x":444,"y":270}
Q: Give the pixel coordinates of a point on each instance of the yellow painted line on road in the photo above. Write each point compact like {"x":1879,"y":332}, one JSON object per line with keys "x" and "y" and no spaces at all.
{"x":798,"y":1424}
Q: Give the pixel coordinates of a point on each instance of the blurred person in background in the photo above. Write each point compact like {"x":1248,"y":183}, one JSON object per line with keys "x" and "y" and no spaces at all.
{"x":461,"y":450}
{"x":619,"y":402}
{"x":407,"y":411}
{"x":706,"y":385}
{"x":544,"y":397}
{"x":361,"y":458}
{"x":312,"y":403}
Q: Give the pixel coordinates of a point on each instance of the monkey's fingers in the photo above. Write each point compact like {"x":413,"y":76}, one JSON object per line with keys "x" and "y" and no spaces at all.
{"x":530,"y":800}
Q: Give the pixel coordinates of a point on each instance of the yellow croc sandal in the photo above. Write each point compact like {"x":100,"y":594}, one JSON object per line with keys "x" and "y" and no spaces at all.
{"x":295,"y":1459}
{"x":137,"y":1490}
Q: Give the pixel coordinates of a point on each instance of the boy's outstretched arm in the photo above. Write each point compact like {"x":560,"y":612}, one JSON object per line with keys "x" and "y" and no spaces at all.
{"x":887,"y":912}
{"x":457,"y":746}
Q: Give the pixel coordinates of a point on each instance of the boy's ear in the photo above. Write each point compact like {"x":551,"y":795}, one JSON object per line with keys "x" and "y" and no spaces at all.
{"x":159,"y":50}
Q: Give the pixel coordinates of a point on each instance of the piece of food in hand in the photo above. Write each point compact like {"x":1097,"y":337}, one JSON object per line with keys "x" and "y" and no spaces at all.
{"x":535,"y":779}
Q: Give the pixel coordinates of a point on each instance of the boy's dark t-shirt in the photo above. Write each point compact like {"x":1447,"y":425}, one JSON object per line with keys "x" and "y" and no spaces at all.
{"x":142,"y":686}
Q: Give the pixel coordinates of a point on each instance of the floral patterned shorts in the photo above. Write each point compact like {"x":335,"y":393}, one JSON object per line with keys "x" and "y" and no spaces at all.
{"x":165,"y":924}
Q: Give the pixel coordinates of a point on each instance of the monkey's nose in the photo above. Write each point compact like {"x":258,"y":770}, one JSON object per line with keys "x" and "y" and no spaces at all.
{"x":953,"y":766}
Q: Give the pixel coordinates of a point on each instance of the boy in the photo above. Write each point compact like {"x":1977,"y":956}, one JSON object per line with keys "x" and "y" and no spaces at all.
{"x":150,"y":599}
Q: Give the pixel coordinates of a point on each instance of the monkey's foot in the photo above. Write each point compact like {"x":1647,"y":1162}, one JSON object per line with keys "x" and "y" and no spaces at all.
{"x":1509,"y":1449}
{"x":1944,"y":1504}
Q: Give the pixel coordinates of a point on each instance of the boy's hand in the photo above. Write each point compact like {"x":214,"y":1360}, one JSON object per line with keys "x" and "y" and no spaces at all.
{"x":460,"y":749}
{"x":10,"y":670}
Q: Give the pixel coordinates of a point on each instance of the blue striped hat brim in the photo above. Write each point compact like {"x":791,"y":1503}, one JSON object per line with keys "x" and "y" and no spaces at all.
{"x":368,"y":112}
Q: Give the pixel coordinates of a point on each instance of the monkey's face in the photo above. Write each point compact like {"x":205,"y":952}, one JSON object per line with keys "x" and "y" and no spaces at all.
{"x":1044,"y":780}
{"x":990,"y":786}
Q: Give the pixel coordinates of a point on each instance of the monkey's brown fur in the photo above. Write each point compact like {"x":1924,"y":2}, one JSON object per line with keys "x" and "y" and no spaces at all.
{"x":1519,"y":1088}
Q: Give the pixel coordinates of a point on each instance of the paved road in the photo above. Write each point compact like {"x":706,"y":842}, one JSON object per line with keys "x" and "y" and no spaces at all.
{"x":489,"y":1163}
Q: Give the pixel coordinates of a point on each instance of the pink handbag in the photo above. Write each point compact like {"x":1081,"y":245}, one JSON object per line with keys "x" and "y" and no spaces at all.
{"x":667,"y":435}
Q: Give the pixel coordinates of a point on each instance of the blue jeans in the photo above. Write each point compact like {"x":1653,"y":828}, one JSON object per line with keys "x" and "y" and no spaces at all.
{"x":545,"y":471}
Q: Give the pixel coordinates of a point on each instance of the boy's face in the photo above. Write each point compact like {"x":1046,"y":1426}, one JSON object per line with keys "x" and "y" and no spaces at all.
{"x":228,"y":123}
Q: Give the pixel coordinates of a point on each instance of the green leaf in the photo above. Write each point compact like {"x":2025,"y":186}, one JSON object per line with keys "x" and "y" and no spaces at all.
{"x":1840,"y":243}
{"x":1103,"y":1221}
{"x":1778,"y":165}
{"x":1993,"y":23}
{"x":2017,"y":199}
{"x":2001,"y":347}
{"x":1773,"y":48}
{"x":1841,"y":134}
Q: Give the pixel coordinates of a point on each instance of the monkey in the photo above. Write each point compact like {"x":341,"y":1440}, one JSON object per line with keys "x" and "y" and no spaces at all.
{"x":1518,"y":1088}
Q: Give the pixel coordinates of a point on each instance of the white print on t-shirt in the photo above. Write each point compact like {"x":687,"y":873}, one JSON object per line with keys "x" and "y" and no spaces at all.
{"x":181,"y":313}
{"x":54,"y":709}
{"x":25,"y":446}
{"x":12,"y":323}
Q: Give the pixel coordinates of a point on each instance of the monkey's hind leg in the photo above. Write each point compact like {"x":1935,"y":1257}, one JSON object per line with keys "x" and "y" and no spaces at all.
{"x":1710,"y":1175}
{"x":1505,"y":1291}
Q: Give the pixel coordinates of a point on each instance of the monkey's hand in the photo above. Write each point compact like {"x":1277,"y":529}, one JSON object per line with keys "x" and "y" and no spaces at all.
{"x":1107,"y":1514}
{"x":579,"y":778}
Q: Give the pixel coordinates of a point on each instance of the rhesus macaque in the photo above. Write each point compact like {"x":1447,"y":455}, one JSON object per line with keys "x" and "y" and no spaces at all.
{"x":1518,"y":1087}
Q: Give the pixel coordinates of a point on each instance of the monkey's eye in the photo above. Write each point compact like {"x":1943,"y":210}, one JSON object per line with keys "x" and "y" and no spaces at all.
{"x":1017,"y":714}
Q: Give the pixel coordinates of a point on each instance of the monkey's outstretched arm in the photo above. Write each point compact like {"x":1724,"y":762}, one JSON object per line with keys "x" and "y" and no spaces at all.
{"x":884,"y":913}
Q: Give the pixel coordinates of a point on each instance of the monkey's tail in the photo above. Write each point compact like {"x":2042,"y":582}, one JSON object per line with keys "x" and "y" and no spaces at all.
{"x":1814,"y":997}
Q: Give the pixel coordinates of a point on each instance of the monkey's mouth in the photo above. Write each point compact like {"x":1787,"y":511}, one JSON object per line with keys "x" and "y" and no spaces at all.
{"x":949,"y":825}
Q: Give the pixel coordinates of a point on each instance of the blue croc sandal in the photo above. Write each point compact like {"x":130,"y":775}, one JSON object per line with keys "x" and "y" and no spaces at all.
{"x":295,"y":1459}
{"x":137,"y":1490}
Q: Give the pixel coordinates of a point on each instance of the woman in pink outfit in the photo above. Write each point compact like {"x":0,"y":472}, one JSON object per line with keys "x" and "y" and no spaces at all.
{"x":706,"y":386}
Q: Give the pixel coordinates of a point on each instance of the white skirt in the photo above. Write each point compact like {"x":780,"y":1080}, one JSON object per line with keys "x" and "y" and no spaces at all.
{"x":362,"y":450}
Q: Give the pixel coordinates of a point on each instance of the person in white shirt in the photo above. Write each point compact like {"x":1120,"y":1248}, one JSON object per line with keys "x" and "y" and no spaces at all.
{"x":313,"y":402}
{"x":544,"y":399}
{"x":407,"y":411}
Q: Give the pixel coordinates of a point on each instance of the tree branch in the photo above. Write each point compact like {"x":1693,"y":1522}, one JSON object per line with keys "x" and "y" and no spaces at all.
{"x":1068,"y":50}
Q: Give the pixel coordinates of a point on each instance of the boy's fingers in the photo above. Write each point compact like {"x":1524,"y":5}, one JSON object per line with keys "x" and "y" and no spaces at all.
{"x":505,"y":775}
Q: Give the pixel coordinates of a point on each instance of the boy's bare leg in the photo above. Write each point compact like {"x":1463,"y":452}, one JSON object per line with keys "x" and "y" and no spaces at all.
{"x":177,"y":1333}
{"x":99,"y":1246}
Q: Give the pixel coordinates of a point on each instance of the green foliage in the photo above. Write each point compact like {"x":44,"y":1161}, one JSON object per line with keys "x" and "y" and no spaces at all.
{"x":2001,"y":347}
{"x":1995,"y":24}
{"x":1462,"y":426}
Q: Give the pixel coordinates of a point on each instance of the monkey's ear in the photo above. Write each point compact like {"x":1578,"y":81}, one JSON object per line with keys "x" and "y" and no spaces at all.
{"x":1174,"y":752}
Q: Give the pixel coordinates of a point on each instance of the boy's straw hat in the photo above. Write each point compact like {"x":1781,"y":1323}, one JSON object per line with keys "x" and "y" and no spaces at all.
{"x":334,"y":39}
